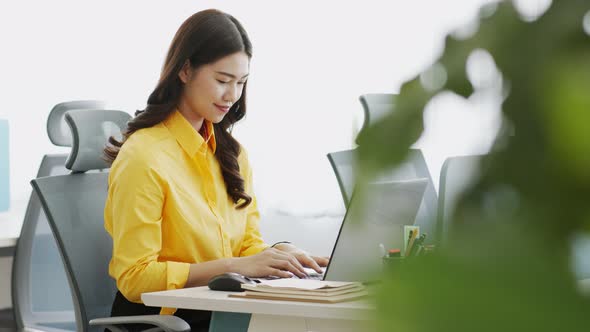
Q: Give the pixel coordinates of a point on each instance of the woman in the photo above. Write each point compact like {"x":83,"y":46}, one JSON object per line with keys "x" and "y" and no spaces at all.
{"x":180,"y":207}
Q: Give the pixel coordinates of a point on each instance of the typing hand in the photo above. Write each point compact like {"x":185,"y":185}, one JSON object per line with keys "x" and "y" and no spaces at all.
{"x":269,"y":263}
{"x":305,"y":259}
{"x":312,"y":274}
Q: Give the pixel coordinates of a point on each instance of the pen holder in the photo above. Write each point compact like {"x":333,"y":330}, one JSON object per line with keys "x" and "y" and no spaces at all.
{"x":393,"y":263}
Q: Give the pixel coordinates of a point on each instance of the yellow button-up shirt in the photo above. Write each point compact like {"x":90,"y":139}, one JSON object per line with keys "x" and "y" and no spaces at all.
{"x":167,"y":207}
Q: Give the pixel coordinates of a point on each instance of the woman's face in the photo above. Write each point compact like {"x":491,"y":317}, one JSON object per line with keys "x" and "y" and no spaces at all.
{"x":210,"y":90}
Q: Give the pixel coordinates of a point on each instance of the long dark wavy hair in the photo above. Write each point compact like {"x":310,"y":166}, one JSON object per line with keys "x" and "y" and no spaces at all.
{"x":203,"y":38}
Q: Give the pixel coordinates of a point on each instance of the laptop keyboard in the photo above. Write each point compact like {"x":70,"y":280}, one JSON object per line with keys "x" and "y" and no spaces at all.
{"x":313,"y":276}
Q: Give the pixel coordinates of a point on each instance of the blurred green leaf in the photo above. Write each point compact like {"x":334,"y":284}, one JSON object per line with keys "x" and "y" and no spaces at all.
{"x":507,"y":263}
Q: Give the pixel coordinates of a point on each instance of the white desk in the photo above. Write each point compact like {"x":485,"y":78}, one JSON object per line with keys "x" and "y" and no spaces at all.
{"x":269,"y":315}
{"x":7,"y":242}
{"x":10,"y":225}
{"x":9,"y":233}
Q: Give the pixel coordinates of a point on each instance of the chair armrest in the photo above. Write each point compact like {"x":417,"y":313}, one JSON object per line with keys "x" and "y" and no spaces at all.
{"x":167,"y":323}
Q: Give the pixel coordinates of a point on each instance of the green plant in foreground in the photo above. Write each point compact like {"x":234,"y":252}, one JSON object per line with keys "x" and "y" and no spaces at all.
{"x":507,"y":263}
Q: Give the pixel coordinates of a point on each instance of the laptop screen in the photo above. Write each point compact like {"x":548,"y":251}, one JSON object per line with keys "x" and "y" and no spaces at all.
{"x":378,"y":218}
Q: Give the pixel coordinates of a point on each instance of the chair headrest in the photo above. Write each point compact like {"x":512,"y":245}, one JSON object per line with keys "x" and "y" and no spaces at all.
{"x":375,"y":107}
{"x":90,"y":131}
{"x":57,"y":129}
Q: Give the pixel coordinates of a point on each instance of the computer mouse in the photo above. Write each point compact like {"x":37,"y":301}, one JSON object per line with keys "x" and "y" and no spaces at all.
{"x":229,"y":282}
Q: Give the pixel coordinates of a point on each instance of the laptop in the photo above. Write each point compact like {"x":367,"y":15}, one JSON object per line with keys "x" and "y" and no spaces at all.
{"x":388,"y":206}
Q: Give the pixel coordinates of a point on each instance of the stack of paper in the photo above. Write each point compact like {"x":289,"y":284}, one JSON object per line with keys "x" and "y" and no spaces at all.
{"x":304,"y":290}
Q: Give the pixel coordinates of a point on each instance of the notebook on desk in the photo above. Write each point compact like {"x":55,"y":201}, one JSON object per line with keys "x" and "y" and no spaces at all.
{"x":318,"y":291}
{"x":389,"y":206}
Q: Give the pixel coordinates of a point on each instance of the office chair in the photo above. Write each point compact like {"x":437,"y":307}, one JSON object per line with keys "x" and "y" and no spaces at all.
{"x":74,"y":205}
{"x":456,"y":175}
{"x":375,"y":107}
{"x":342,"y":163}
{"x":41,"y":297}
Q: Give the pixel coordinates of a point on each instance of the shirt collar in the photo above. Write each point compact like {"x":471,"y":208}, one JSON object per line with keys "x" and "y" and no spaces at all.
{"x":189,"y":139}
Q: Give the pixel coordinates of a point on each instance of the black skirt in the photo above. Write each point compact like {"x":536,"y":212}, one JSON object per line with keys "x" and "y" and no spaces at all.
{"x":198,"y":319}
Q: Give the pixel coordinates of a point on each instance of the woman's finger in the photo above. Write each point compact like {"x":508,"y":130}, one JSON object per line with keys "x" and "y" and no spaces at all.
{"x":287,"y":266}
{"x":274,"y":272}
{"x":297,"y":264}
{"x":291,"y":258}
{"x":309,"y":262}
{"x":321,"y":261}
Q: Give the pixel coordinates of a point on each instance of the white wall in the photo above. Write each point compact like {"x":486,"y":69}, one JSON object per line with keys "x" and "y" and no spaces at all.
{"x":312,"y":59}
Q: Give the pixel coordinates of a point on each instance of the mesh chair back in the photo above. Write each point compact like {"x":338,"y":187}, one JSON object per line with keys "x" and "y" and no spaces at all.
{"x":74,"y":206}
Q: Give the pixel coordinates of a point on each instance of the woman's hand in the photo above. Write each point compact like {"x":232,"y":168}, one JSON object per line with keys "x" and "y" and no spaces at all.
{"x":270,"y":262}
{"x":303,"y":257}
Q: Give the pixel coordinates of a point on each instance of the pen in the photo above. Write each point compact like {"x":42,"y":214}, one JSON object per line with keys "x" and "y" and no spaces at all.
{"x":417,"y":243}
{"x":408,"y":243}
{"x":419,"y":250}
{"x":413,"y":236}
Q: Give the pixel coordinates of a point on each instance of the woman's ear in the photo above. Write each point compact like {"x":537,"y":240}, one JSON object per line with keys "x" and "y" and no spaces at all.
{"x":185,"y":72}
